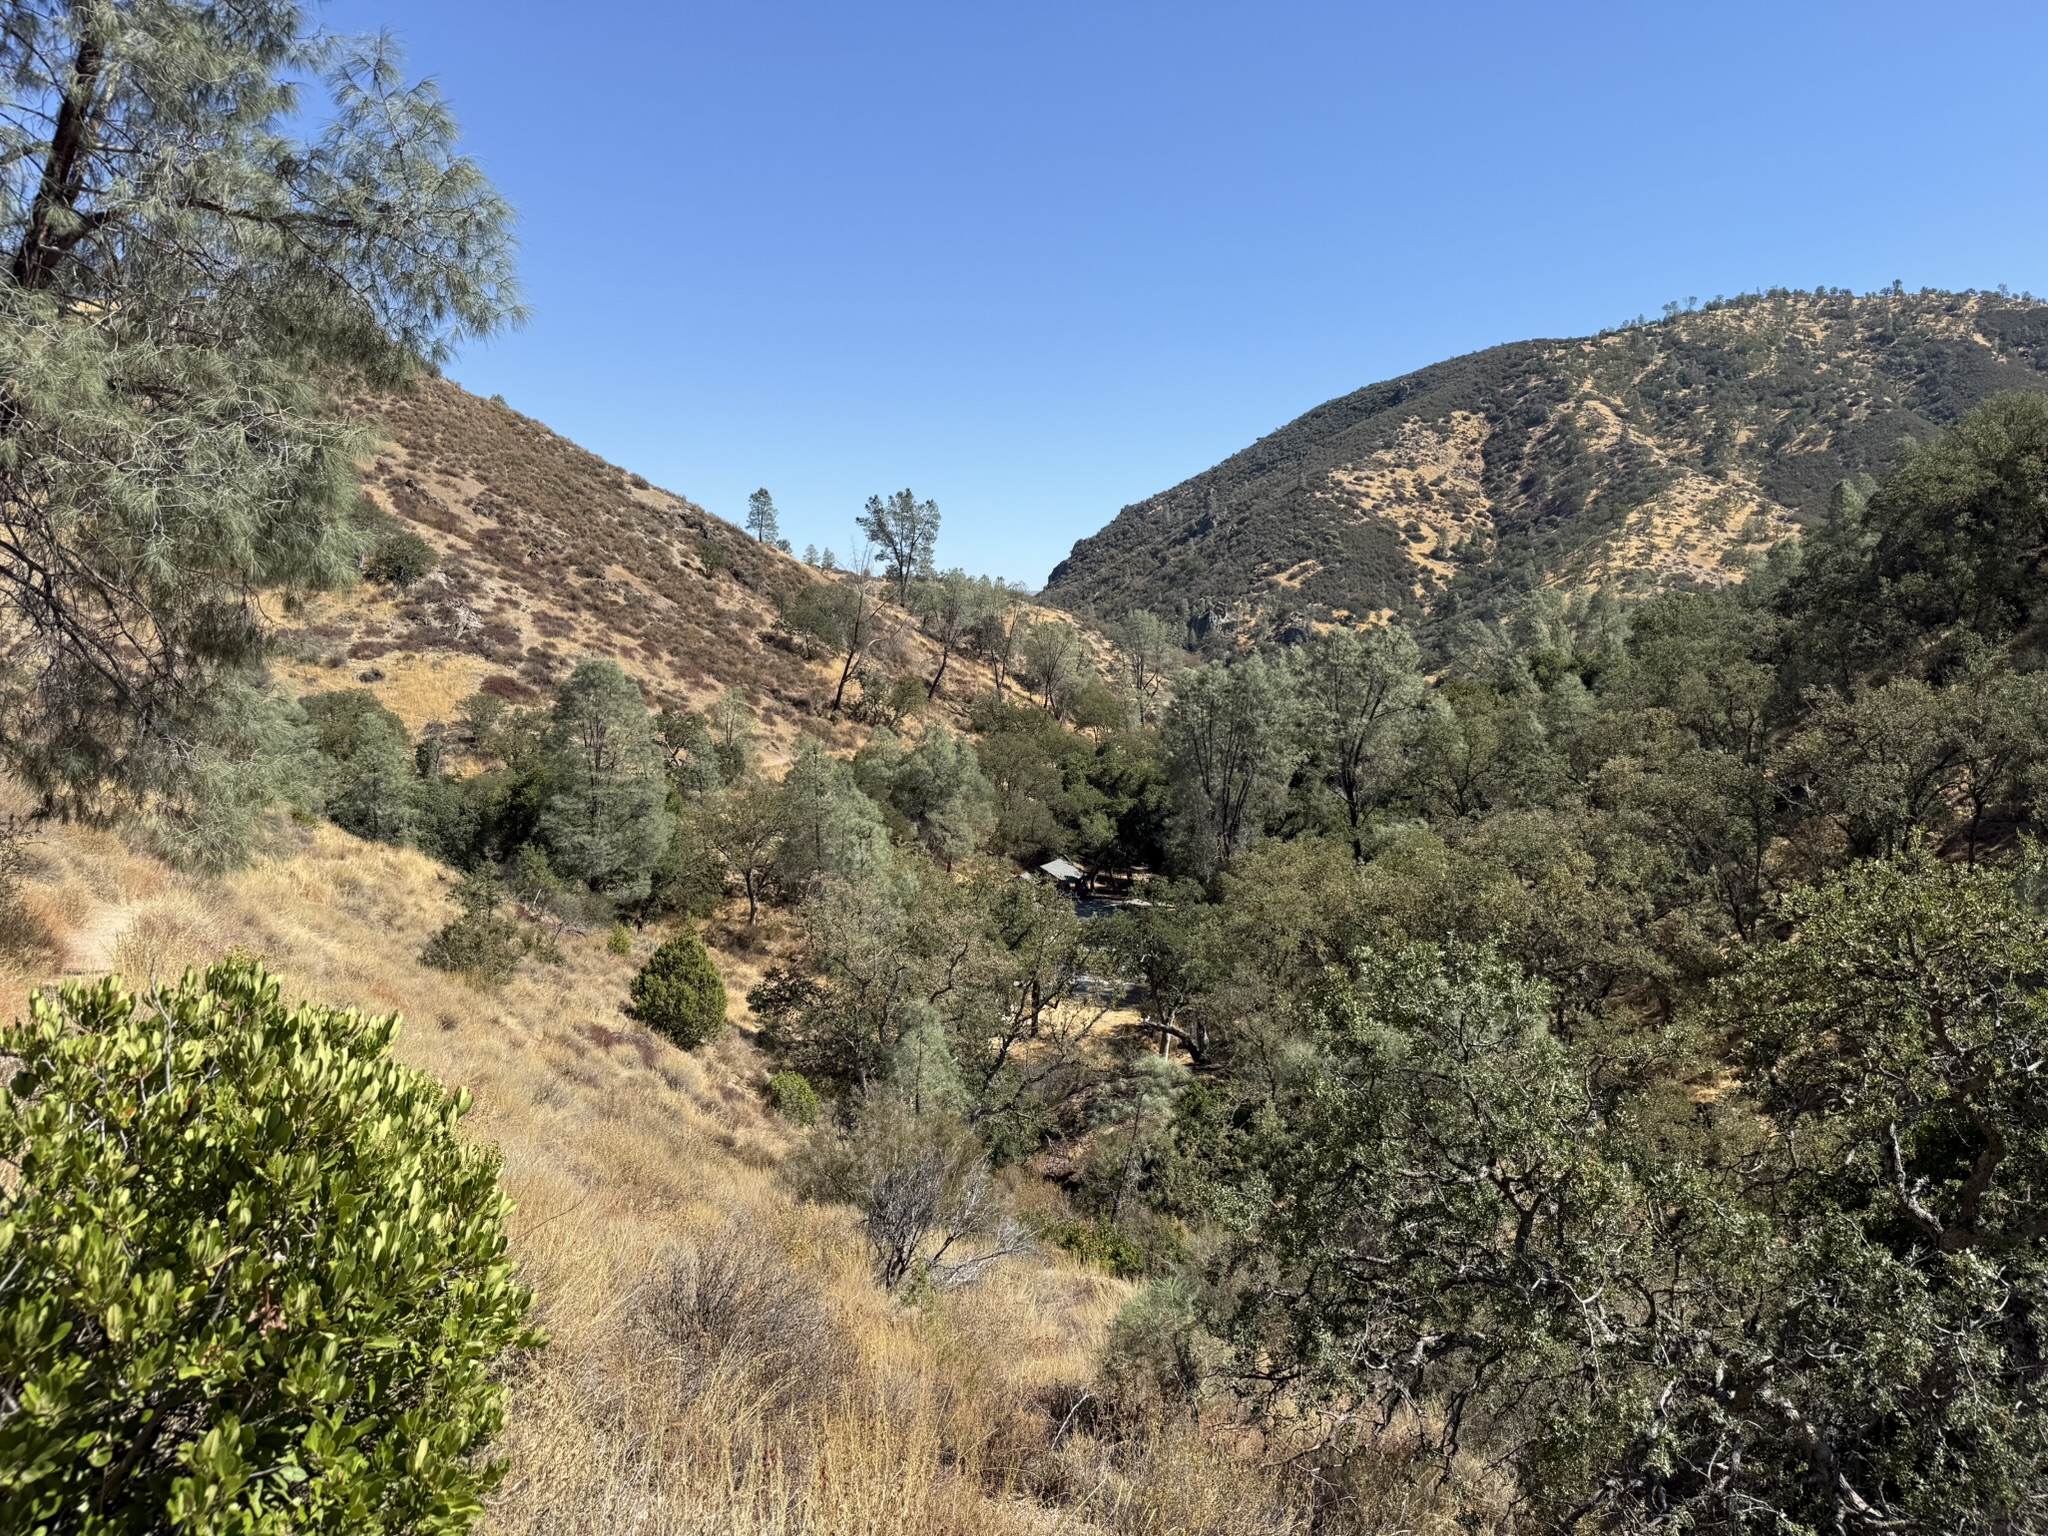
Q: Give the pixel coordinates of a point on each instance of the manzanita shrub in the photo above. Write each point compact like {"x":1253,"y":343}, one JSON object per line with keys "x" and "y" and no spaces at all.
{"x":252,"y":1278}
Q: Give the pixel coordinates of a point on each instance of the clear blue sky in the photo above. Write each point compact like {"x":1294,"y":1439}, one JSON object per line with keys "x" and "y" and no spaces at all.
{"x":1037,"y":261}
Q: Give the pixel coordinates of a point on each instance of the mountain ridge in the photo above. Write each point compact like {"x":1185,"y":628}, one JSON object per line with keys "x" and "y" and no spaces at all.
{"x":1665,"y":454}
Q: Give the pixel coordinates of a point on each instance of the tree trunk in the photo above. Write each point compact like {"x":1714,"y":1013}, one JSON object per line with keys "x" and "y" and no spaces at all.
{"x":35,"y":264}
{"x":845,"y":674}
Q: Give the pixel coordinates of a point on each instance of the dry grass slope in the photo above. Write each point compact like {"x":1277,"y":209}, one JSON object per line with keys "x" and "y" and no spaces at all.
{"x":722,"y":1363}
{"x":548,"y":555}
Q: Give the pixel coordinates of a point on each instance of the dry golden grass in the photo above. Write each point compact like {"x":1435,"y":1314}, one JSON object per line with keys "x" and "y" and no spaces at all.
{"x":813,"y":1403}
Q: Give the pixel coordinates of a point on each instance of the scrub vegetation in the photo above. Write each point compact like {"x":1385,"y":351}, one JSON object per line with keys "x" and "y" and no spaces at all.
{"x":832,"y":1046}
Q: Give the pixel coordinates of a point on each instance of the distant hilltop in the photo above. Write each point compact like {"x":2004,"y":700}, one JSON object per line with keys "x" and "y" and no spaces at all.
{"x":1662,"y":454}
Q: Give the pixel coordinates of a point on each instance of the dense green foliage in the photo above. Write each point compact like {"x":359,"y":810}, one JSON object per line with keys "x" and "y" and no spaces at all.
{"x":794,"y":1098}
{"x":1593,"y":1035}
{"x":252,"y":1277}
{"x":480,"y":944}
{"x":678,"y":992}
{"x":606,"y":821}
{"x":1616,"y":1057}
{"x":399,"y":559}
{"x":906,"y":531}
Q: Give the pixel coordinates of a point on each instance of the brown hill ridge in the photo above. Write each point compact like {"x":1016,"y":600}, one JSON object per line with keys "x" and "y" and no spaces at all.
{"x":1658,"y":455}
{"x":548,"y":555}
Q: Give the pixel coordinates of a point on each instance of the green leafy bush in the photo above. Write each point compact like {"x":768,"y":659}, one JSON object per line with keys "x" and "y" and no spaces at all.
{"x":794,"y":1098}
{"x":620,"y":940}
{"x":1100,"y":1242}
{"x":252,"y":1278}
{"x":399,"y":559}
{"x":479,"y":944}
{"x":678,"y":991}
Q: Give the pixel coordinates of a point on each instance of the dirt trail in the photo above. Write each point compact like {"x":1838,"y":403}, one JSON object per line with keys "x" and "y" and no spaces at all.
{"x":89,"y":948}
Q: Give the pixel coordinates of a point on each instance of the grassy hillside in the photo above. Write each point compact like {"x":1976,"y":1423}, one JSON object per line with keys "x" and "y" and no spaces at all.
{"x":722,"y":1362}
{"x":547,"y":555}
{"x":1659,"y":455}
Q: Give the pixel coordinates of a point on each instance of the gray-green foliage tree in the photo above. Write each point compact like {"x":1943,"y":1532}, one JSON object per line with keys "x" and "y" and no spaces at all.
{"x":828,"y":828}
{"x":367,"y":753}
{"x":1054,"y":656}
{"x":1149,"y":652}
{"x":939,"y":790}
{"x":949,"y":605}
{"x":245,"y":750}
{"x":1358,"y":693}
{"x":252,"y":1276}
{"x":1477,"y":750}
{"x":607,"y":820}
{"x":187,"y":283}
{"x":1231,"y":744}
{"x":1133,"y":1116}
{"x":998,"y":630}
{"x":730,"y":723}
{"x":906,"y":531}
{"x":997,"y":965}
{"x":695,"y":767}
{"x":845,"y":617}
{"x":1438,"y":1198}
{"x":762,"y":521}
{"x":744,"y":827}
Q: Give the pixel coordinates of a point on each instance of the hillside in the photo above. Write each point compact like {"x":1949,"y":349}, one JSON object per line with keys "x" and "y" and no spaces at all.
{"x":720,"y":1359}
{"x":1659,"y":455}
{"x":548,"y":554}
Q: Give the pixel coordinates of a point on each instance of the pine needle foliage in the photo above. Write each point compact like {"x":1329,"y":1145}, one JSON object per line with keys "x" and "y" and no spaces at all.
{"x":252,"y":1277}
{"x":187,"y":283}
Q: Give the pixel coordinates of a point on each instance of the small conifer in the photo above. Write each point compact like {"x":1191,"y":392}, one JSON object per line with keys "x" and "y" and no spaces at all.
{"x":678,"y":992}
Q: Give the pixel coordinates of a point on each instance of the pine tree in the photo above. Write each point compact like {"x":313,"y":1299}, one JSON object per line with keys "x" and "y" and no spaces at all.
{"x":607,"y":821}
{"x":184,"y":289}
{"x":761,"y":519}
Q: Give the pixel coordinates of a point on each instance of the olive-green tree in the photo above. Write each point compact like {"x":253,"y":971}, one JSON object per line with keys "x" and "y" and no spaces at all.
{"x":949,"y":606}
{"x":939,"y":790}
{"x":679,"y":993}
{"x":1231,"y":744}
{"x":367,"y":754}
{"x":906,"y":531}
{"x":1358,"y":693}
{"x":1148,"y":654}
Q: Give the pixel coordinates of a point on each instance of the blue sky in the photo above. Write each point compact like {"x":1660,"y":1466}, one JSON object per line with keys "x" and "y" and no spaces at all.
{"x":1040,"y":261}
